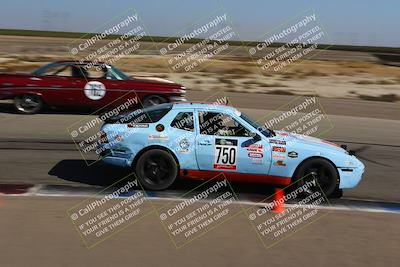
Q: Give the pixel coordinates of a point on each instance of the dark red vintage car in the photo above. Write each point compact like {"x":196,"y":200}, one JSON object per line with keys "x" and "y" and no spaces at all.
{"x":84,"y":84}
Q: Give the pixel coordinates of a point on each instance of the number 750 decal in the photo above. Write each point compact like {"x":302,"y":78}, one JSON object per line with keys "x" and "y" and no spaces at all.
{"x":225,"y":154}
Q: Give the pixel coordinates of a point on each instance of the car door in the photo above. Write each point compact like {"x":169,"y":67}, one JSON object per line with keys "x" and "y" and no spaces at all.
{"x":182,"y":137}
{"x":223,"y":143}
{"x":62,"y":89}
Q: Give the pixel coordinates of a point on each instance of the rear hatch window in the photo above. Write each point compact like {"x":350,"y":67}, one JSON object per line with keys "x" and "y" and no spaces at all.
{"x":146,"y":115}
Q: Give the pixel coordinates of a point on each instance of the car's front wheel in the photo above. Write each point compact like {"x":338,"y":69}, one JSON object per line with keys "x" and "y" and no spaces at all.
{"x":28,"y":103}
{"x":320,"y":170}
{"x":156,"y":169}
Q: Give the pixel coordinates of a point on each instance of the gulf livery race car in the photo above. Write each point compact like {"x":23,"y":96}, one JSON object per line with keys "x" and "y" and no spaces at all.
{"x":199,"y":141}
{"x":84,"y":84}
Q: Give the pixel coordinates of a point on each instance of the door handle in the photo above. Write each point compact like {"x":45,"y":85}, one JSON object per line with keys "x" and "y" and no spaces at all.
{"x":56,"y":86}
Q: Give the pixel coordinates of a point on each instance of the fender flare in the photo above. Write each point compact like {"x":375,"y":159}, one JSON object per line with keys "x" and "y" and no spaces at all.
{"x":316,"y":157}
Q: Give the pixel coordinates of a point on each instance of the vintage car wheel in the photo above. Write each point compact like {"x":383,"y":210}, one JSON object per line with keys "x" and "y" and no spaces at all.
{"x":320,"y":169}
{"x":28,"y":103}
{"x":153,"y":100}
{"x":156,"y":169}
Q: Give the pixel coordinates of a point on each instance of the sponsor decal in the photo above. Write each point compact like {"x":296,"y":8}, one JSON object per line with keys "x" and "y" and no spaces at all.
{"x":141,"y":125}
{"x":293,"y":154}
{"x":279,"y":149}
{"x":278,"y":156}
{"x":94,"y":90}
{"x":280,"y":163}
{"x":278,"y":142}
{"x":255,"y":148}
{"x":227,"y":142}
{"x":184,"y":146}
{"x":257,"y":161}
{"x":158,"y":137}
{"x":225,"y":154}
{"x":255,"y":155}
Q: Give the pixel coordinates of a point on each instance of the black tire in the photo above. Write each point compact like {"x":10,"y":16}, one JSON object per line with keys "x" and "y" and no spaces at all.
{"x":338,"y":193}
{"x":156,"y":169}
{"x":28,"y":103}
{"x":323,"y":171}
{"x":153,"y":100}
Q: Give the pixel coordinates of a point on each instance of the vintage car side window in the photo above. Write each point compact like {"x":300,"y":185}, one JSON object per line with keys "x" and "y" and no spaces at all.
{"x":183,"y":121}
{"x":96,"y":72}
{"x":59,"y":70}
{"x":220,"y":124}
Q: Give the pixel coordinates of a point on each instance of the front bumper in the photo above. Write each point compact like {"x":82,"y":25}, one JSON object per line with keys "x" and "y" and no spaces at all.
{"x":351,"y":176}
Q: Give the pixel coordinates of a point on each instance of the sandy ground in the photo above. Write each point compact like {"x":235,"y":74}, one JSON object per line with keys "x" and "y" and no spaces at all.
{"x":333,"y":74}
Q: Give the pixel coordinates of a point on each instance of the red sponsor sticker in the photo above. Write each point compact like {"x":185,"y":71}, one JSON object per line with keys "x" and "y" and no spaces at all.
{"x":224,"y":167}
{"x":279,"y":149}
{"x":278,"y":142}
{"x":255,"y":148}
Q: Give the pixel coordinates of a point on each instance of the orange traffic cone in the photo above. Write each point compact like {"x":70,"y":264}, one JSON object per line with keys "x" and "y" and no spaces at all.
{"x":279,"y":200}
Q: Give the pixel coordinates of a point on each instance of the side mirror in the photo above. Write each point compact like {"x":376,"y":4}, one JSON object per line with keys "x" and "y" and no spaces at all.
{"x":256,"y":137}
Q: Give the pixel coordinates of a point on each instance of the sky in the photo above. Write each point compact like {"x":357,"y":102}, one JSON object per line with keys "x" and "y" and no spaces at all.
{"x":351,"y":22}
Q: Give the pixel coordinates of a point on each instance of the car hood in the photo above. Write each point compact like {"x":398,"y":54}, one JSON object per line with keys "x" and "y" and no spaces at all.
{"x":307,"y":140}
{"x":155,"y":80}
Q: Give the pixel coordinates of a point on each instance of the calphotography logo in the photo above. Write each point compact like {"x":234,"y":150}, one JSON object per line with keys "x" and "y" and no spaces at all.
{"x":199,"y":43}
{"x":199,"y":211}
{"x":120,"y":38}
{"x":303,"y":116}
{"x":274,"y":223}
{"x":288,"y":44}
{"x":112,"y":210}
{"x":90,"y":139}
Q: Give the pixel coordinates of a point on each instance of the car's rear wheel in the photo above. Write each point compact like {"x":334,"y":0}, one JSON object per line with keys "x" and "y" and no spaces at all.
{"x":322,"y":171}
{"x":153,"y":100}
{"x":28,"y":103}
{"x":156,"y":169}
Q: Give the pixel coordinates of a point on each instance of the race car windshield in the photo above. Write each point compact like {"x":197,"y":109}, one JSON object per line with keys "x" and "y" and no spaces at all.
{"x":266,"y":132}
{"x":118,"y":74}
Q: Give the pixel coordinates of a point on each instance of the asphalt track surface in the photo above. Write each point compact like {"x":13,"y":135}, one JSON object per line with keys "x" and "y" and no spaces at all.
{"x":38,"y":150}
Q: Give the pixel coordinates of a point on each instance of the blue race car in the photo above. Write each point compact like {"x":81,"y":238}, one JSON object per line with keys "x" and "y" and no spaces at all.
{"x":200,"y":141}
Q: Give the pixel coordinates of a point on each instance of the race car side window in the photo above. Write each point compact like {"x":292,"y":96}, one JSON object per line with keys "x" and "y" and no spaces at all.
{"x":183,"y":121}
{"x":220,"y":124}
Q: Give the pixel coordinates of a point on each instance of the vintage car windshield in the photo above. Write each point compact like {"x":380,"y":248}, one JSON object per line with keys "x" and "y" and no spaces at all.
{"x":116,"y":73}
{"x":266,"y":132}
